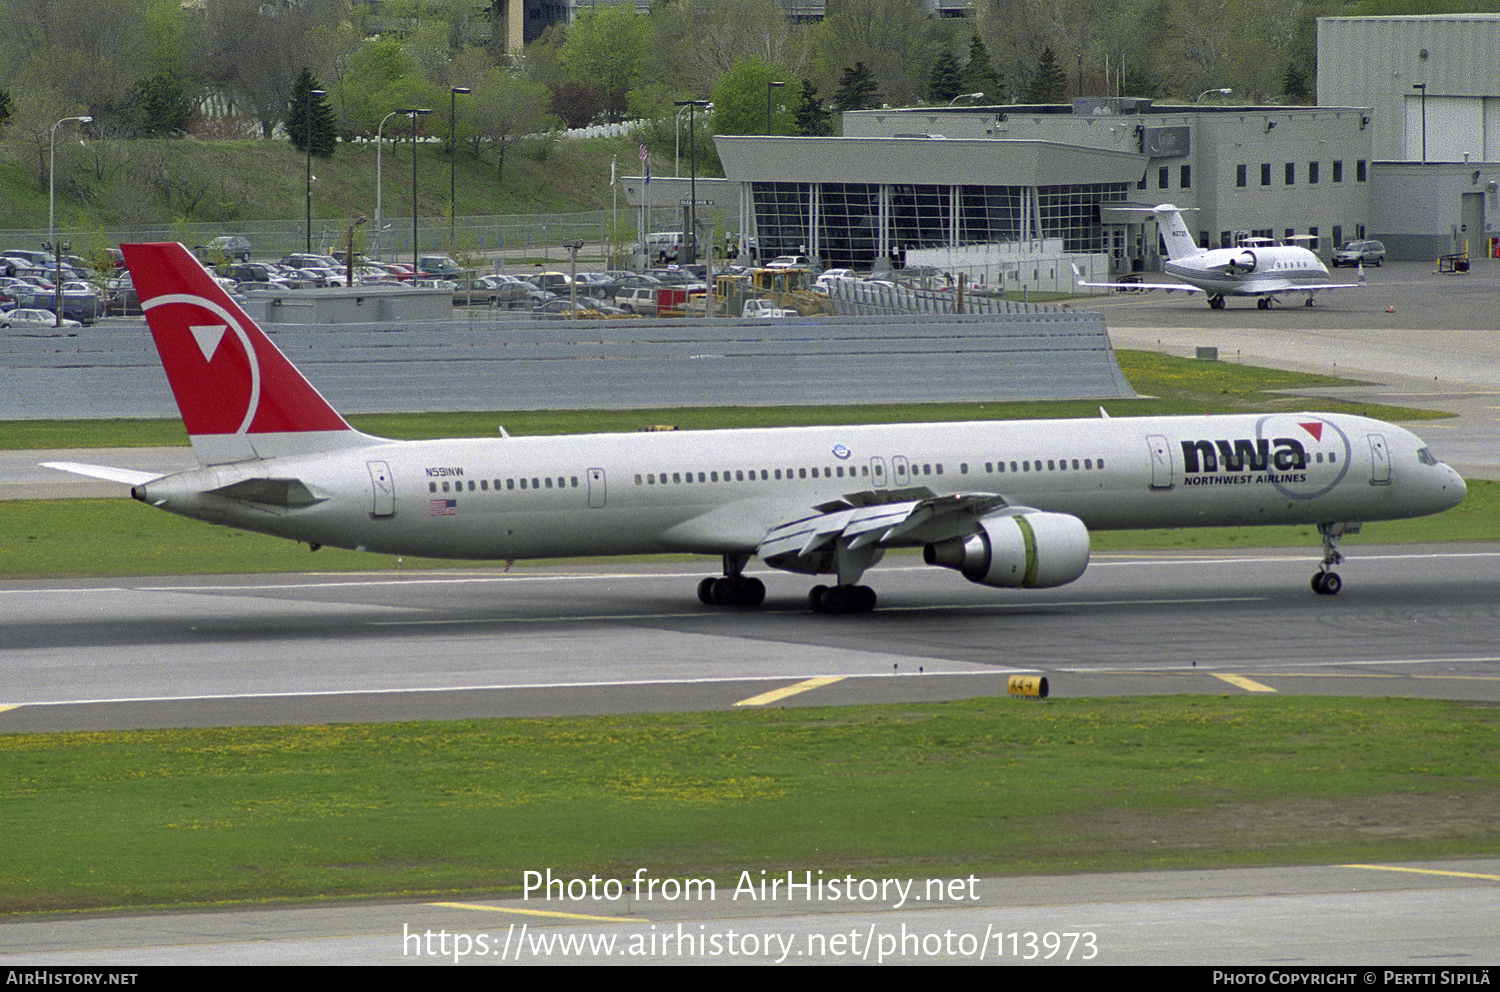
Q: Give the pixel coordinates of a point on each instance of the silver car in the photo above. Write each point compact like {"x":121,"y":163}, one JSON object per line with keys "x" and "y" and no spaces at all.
{"x":1355,"y":252}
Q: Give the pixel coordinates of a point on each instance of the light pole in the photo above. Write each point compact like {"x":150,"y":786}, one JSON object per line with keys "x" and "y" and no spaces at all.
{"x":677,"y":132}
{"x":1422,"y":88}
{"x":769,"y":87}
{"x":307,"y":144}
{"x":52,"y":245}
{"x":1222,"y":92}
{"x":453,"y":92}
{"x":692,"y":232}
{"x":415,"y":112}
{"x":379,"y":212}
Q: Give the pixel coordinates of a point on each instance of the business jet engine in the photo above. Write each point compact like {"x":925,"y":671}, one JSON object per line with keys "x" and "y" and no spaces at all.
{"x":1032,"y":550}
{"x":1243,"y":262}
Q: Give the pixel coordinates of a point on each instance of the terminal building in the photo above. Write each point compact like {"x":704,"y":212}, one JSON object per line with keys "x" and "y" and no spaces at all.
{"x":1023,"y":192}
{"x":1080,"y":178}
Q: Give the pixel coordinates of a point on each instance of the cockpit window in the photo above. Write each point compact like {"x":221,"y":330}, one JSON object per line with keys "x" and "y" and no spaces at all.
{"x":1425,"y":457}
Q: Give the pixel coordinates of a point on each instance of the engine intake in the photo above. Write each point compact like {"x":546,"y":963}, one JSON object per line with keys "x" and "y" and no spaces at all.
{"x":1023,"y":550}
{"x":1243,"y":262}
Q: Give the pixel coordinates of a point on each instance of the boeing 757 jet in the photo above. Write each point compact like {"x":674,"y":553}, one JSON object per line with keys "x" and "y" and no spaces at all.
{"x":1004,"y":503}
{"x":1260,"y":269}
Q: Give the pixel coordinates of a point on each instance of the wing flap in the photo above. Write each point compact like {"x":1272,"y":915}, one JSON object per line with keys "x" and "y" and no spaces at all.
{"x":802,"y":545}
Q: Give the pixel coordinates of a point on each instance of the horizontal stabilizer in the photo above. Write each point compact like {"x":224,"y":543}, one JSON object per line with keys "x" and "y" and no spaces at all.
{"x":129,"y":477}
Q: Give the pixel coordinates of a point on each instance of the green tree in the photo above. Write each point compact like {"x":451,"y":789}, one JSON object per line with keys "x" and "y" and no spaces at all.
{"x":742,"y":95}
{"x":894,"y":39}
{"x":942,"y":81}
{"x":5,"y":108}
{"x":1048,"y":84}
{"x":1294,"y":85}
{"x":857,"y":89}
{"x":812,"y":119}
{"x":163,"y":107}
{"x":309,"y":120}
{"x":602,"y":55}
{"x":979,"y":76}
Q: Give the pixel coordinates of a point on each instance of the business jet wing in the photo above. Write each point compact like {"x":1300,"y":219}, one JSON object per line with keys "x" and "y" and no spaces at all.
{"x":1170,"y":287}
{"x":1276,"y":287}
{"x":129,"y":477}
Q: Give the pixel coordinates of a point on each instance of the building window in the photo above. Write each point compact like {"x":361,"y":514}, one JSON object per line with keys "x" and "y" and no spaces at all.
{"x":1359,"y":173}
{"x":1161,"y":178}
{"x":1338,"y":170}
{"x":1291,"y":173}
{"x":1239,"y":175}
{"x":1186,"y":177}
{"x":1312,"y":173}
{"x":1265,"y":173}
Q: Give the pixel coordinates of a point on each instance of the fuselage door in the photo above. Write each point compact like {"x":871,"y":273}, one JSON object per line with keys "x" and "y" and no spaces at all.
{"x":384,"y":489}
{"x":1380,"y":461}
{"x":596,"y":488}
{"x":1161,"y":462}
{"x":899,"y":475}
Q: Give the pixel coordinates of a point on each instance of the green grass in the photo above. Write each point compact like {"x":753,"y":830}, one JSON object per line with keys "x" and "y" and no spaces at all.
{"x":990,"y":786}
{"x":227,"y":181}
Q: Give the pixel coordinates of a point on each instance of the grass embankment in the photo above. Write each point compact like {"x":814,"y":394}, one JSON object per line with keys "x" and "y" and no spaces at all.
{"x":156,"y":818}
{"x":118,"y":537}
{"x":226,"y":182}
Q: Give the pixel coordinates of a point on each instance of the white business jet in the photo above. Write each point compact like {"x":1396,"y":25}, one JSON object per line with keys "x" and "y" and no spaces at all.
{"x":1258,"y":268}
{"x":1005,"y":503}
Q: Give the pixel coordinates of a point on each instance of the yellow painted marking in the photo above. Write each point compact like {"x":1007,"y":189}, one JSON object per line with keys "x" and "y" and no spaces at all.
{"x":537,"y":912}
{"x":1429,"y":871}
{"x":791,"y":690}
{"x":1249,"y":685}
{"x":4,"y":707}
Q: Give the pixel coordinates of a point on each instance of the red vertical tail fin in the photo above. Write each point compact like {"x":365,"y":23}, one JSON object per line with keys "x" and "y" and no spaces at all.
{"x":239,"y":395}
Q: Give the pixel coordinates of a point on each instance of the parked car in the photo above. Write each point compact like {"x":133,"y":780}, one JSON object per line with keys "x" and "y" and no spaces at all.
{"x":563,"y":308}
{"x":1355,"y":252}
{"x":29,"y":317}
{"x":438,"y":267}
{"x":767,"y":309}
{"x":230,"y":246}
{"x":637,"y":300}
{"x":120,"y":298}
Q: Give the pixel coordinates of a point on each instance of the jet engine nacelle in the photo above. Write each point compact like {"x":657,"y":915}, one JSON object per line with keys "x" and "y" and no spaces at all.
{"x":1031,"y":550}
{"x":1243,"y":262}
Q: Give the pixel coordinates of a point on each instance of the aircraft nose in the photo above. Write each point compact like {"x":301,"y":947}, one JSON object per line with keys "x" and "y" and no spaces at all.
{"x":1456,"y":487}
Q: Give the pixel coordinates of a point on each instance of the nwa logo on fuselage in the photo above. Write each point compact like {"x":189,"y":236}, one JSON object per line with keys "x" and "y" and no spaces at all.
{"x":1244,"y":454}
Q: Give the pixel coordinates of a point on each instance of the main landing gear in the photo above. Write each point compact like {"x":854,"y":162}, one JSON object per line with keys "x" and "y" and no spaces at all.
{"x":1216,"y":302}
{"x":1327,"y":582}
{"x":841,"y":599}
{"x":733,"y":588}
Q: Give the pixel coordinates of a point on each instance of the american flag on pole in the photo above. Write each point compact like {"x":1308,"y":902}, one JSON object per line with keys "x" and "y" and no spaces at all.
{"x":442,"y":507}
{"x":646,"y":161}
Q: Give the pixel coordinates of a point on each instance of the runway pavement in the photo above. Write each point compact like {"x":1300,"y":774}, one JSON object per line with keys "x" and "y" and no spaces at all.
{"x":1411,"y":923}
{"x":191,"y":651}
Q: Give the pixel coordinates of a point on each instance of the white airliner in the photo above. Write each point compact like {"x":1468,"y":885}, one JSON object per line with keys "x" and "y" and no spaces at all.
{"x":1006,"y":503}
{"x":1264,"y":270}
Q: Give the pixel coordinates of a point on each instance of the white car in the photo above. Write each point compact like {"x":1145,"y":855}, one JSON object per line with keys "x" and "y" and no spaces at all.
{"x":767,"y":309}
{"x":22,"y":317}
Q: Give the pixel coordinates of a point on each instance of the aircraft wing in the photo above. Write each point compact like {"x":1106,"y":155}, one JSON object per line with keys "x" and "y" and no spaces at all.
{"x":1170,"y":287}
{"x":1272,"y":287}
{"x":871,"y":522}
{"x":129,"y":477}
